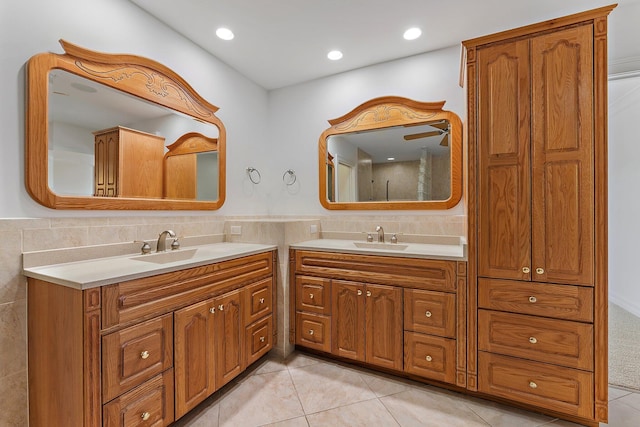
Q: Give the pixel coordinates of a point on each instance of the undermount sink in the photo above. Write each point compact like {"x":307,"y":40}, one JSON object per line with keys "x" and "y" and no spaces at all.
{"x":384,"y":246}
{"x":167,"y":257}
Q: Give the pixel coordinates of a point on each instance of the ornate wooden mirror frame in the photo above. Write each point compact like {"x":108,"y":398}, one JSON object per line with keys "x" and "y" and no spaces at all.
{"x":134,"y":75}
{"x":387,"y":112}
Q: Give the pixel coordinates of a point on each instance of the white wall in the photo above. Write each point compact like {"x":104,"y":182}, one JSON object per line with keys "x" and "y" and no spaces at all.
{"x":28,"y":27}
{"x":624,"y":200}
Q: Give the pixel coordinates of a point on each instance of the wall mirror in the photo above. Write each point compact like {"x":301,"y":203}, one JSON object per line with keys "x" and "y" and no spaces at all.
{"x":108,"y":131}
{"x":392,"y":153}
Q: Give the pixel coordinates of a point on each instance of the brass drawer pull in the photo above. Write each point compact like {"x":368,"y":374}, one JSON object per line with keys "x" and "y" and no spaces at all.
{"x":144,"y":354}
{"x":428,"y":358}
{"x":359,"y":292}
{"x":262,"y":339}
{"x":428,"y":313}
{"x":532,"y":384}
{"x":311,"y":296}
{"x":310,"y":331}
{"x":533,"y":340}
{"x":368,"y":293}
{"x":145,"y":416}
{"x":526,"y":270}
{"x":221,"y":307}
{"x":540,"y":270}
{"x":212,"y":310}
{"x":261,"y":300}
{"x":533,"y":299}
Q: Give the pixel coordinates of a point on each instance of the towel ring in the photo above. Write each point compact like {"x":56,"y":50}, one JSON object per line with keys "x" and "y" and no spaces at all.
{"x":292,"y":177}
{"x":254,"y":175}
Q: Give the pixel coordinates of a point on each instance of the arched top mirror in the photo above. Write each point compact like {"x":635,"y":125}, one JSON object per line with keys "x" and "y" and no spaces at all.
{"x":392,"y":153}
{"x":111,"y":131}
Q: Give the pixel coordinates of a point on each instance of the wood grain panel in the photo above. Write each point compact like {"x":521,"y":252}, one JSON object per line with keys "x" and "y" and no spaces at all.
{"x":430,"y":312}
{"x":430,"y":357}
{"x":383,"y":323}
{"x":313,"y":331}
{"x":258,"y":300}
{"x":230,"y":332}
{"x":348,"y":320}
{"x":564,"y":390}
{"x":540,"y":299}
{"x":560,"y":342}
{"x":313,"y":294}
{"x":258,"y":339}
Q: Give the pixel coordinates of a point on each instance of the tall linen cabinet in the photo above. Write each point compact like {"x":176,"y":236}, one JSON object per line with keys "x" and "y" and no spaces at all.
{"x":537,"y":200}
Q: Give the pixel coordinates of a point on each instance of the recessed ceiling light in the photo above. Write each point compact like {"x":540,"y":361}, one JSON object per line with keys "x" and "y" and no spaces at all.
{"x":334,"y":55}
{"x":224,"y":33}
{"x":391,"y":158}
{"x":412,"y":33}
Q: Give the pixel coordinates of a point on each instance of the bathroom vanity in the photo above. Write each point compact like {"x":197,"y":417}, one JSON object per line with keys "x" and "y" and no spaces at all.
{"x":141,"y":340}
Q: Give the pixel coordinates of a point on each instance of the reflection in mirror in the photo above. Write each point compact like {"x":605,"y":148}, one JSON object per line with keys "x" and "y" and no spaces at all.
{"x":392,"y":153}
{"x":99,"y":128}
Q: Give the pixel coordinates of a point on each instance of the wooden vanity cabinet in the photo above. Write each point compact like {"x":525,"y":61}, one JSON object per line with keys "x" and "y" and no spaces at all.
{"x":538,"y":215}
{"x":146,"y":351}
{"x":405,"y":315}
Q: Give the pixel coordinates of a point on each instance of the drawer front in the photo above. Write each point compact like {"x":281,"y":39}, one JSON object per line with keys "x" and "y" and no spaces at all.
{"x":546,"y":340}
{"x":259,"y":300}
{"x":541,"y":299}
{"x":259,"y":339}
{"x":313,"y":331}
{"x":313,"y":295}
{"x":135,"y":354}
{"x":151,"y":404}
{"x":430,"y":357}
{"x":564,"y":390}
{"x":430,"y":312}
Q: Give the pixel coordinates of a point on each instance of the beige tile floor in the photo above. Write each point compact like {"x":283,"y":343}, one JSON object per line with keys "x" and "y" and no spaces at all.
{"x":308,"y":391}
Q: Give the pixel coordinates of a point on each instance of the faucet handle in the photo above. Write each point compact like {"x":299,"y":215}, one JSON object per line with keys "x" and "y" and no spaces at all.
{"x":146,"y":247}
{"x":175,"y":244}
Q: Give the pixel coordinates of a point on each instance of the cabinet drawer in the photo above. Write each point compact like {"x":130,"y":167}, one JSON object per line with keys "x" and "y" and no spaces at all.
{"x":565,"y":390}
{"x":259,"y":300}
{"x":313,"y":331}
{"x":546,"y":340}
{"x":430,"y":312}
{"x":430,"y":357}
{"x":151,"y":404}
{"x":313,"y":295}
{"x":135,"y":354}
{"x":259,"y":339}
{"x":541,"y":299}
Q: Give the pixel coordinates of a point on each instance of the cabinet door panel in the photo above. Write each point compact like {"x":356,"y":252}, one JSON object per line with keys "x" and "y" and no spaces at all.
{"x":347,"y":321}
{"x":563,"y":186}
{"x":230,"y":331}
{"x":194,"y":355}
{"x":384,"y":326}
{"x":504,"y":212}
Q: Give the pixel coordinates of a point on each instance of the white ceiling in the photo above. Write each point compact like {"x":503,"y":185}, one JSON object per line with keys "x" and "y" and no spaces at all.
{"x":283,"y":42}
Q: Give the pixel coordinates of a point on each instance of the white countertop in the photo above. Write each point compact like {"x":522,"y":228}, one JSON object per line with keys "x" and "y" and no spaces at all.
{"x":105,"y":271}
{"x":450,"y":249}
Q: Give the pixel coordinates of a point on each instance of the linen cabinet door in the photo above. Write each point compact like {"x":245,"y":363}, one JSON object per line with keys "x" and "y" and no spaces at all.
{"x":563,"y":164}
{"x":504,"y":211}
{"x":384,"y":333}
{"x":347,"y":320}
{"x":230,"y":332}
{"x":194,"y":343}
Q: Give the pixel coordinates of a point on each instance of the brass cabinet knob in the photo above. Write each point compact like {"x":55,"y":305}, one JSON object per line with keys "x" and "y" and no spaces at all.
{"x":526,"y":270}
{"x":368,"y":293}
{"x":533,"y":340}
{"x":310,"y":331}
{"x":533,"y":299}
{"x":144,"y":354}
{"x":212,"y":310}
{"x":262,"y":339}
{"x":261,"y":300}
{"x":311,"y":296}
{"x":540,"y":270}
{"x":532,"y":384}
{"x":221,"y":307}
{"x":359,"y":292}
{"x":145,"y":416}
{"x":428,"y":358}
{"x":428,"y":313}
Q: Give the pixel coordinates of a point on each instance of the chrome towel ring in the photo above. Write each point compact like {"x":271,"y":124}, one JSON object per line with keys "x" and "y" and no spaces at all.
{"x":289,"y":177}
{"x":254,"y":175}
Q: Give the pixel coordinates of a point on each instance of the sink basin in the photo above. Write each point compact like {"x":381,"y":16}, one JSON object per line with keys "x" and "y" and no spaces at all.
{"x":167,"y":257}
{"x":383,"y":246}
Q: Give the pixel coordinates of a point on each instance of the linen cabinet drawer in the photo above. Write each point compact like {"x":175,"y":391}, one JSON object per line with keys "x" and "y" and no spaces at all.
{"x":151,"y":404}
{"x":313,"y":295}
{"x":430,"y":312}
{"x":430,"y":357}
{"x":259,"y":339}
{"x":565,"y":390}
{"x":541,"y":299}
{"x":313,"y":331}
{"x":135,"y":354}
{"x":546,"y":340}
{"x":259,"y":300}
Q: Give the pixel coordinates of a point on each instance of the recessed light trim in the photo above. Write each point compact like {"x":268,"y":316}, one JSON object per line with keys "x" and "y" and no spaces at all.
{"x":412,"y":33}
{"x":334,"y":55}
{"x":224,"y":33}
{"x":391,"y":159}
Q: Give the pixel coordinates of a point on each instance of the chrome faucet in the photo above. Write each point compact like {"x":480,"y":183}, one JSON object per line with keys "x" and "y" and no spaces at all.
{"x":380,"y":231}
{"x":161,"y":246}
